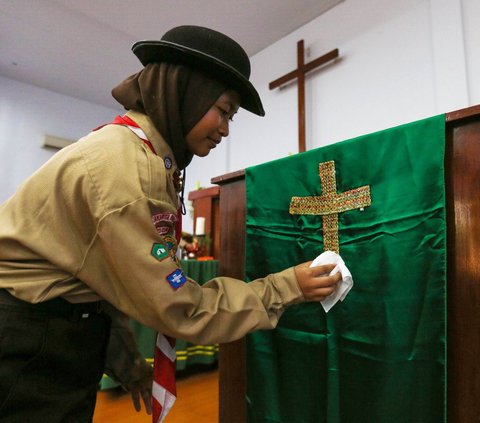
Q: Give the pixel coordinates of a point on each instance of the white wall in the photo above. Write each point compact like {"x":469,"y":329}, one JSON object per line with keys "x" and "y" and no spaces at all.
{"x":199,"y":173}
{"x":27,"y":114}
{"x":471,"y":34}
{"x":400,"y":61}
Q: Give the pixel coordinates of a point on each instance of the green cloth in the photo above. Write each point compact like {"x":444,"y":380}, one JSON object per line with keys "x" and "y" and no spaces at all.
{"x":378,"y":356}
{"x":200,"y":271}
{"x":187,"y":354}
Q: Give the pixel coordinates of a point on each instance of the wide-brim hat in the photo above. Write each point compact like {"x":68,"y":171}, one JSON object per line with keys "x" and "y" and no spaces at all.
{"x":209,"y":51}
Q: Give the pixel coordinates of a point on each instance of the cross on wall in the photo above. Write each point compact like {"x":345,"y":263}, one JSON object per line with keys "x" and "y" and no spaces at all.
{"x":299,"y":73}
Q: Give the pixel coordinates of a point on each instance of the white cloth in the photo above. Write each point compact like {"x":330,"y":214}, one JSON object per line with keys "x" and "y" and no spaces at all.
{"x":343,"y":286}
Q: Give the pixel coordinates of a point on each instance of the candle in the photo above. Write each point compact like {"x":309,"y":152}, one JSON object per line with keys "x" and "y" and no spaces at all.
{"x":200,"y":226}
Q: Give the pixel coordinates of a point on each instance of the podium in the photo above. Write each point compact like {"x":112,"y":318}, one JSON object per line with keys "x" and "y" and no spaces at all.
{"x":462,"y":173}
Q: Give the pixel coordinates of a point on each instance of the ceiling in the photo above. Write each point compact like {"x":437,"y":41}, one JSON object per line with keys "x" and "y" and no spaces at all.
{"x":82,"y":48}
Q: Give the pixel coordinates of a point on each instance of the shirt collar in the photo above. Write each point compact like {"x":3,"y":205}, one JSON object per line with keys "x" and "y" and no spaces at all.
{"x":159,"y":144}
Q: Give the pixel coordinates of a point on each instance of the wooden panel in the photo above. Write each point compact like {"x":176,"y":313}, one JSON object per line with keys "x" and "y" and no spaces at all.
{"x":232,"y":382}
{"x":206,"y":204}
{"x":463,"y":210}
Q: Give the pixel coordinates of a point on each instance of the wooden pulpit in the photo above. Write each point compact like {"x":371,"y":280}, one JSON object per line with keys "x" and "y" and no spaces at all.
{"x":462,"y":164}
{"x":206,"y":204}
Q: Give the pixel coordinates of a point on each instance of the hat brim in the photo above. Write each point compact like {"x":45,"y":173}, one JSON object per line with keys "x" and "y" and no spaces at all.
{"x":165,"y":51}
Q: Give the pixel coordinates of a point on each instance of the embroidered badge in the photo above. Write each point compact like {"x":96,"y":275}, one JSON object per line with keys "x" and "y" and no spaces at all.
{"x":168,"y":162}
{"x":164,"y":222}
{"x":176,"y":279}
{"x":160,"y":251}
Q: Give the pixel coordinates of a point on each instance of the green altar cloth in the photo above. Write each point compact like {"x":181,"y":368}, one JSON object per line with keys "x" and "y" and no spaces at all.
{"x":380,"y":355}
{"x":187,"y":354}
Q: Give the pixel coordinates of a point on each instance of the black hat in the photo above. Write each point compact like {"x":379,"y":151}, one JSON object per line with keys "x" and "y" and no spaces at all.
{"x":209,"y":51}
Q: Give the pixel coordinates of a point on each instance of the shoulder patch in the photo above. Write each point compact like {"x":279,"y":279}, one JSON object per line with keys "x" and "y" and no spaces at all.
{"x":164,"y":222}
{"x":159,"y":251}
{"x":176,"y":279}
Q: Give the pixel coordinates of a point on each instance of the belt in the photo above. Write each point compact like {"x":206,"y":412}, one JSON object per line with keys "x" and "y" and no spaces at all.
{"x":57,"y":307}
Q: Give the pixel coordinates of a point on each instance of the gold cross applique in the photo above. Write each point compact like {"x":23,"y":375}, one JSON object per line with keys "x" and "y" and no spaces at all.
{"x":330,"y":204}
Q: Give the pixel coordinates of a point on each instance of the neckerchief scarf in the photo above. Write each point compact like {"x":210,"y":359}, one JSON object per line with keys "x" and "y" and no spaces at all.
{"x":175,"y":97}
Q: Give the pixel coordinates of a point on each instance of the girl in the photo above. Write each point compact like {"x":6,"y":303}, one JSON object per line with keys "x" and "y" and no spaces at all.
{"x":90,"y":238}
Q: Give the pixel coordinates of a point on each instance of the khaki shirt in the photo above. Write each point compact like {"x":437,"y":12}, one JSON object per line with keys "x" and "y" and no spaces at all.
{"x":97,"y":222}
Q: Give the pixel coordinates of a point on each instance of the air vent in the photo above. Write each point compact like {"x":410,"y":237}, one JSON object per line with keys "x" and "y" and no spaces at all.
{"x":56,"y":142}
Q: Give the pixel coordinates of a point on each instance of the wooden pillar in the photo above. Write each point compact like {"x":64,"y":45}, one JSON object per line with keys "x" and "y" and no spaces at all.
{"x":232,"y":380}
{"x":462,"y":165}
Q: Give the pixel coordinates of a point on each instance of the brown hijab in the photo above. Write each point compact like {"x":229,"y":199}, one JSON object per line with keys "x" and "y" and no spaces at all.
{"x":175,"y":97}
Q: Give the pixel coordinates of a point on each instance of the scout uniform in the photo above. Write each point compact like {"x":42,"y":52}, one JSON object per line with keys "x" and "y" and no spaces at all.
{"x":110,"y":235}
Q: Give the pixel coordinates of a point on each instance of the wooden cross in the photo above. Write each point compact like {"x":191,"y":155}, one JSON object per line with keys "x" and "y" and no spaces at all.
{"x":330,"y":204}
{"x":299,"y":73}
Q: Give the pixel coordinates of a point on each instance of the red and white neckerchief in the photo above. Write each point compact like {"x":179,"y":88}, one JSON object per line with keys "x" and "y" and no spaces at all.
{"x":164,"y":391}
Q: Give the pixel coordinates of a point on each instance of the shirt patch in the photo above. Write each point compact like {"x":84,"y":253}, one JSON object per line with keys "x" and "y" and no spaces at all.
{"x":160,"y":251}
{"x":164,"y":222}
{"x":168,"y":162}
{"x":164,"y":217}
{"x":176,"y":279}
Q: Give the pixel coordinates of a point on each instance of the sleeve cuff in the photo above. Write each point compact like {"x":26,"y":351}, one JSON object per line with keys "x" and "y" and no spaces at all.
{"x":286,"y":286}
